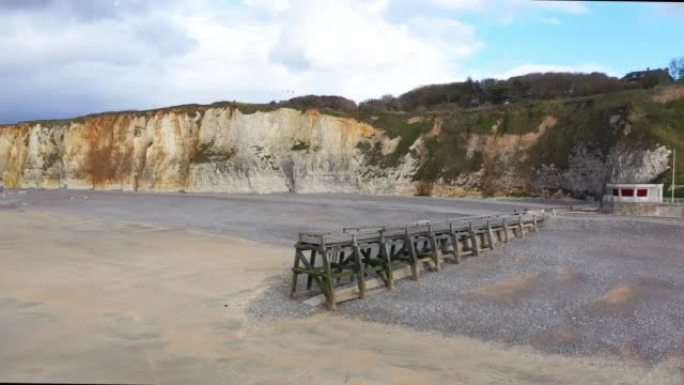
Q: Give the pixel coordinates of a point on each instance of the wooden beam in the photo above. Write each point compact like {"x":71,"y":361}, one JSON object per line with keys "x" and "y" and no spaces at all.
{"x":437,"y":253}
{"x":413,"y":257}
{"x":490,"y":236}
{"x":329,"y":287}
{"x":385,"y":254}
{"x":474,"y":241}
{"x":505,"y":228}
{"x":295,"y":273}
{"x":360,"y":268}
{"x":373,"y":286}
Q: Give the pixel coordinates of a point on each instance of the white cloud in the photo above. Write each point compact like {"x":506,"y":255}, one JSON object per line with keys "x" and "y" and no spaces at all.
{"x":572,"y":7}
{"x":344,"y":48}
{"x":509,"y":11}
{"x":512,"y":7}
{"x":124,"y":57}
{"x":551,"y":20}
{"x":461,"y":4}
{"x":532,"y":68}
{"x":274,"y":6}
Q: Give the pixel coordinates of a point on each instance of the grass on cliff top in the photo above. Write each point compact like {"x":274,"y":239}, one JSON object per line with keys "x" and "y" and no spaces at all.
{"x":244,"y":108}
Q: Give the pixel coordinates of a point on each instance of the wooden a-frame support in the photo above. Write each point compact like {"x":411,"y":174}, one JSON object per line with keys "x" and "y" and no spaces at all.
{"x":366,"y":259}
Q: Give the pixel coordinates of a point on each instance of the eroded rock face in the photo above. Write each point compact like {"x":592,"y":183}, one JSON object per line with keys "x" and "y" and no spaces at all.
{"x":224,"y":150}
{"x":589,"y":171}
{"x":217,"y":150}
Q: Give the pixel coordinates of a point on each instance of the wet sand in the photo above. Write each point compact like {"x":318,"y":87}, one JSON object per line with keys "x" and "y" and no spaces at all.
{"x":100,"y":300}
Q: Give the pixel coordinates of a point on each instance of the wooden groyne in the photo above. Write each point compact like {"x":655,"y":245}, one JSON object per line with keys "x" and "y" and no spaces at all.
{"x":345,"y":265}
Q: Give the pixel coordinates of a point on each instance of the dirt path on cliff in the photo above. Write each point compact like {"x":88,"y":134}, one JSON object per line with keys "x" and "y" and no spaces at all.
{"x":95,"y":300}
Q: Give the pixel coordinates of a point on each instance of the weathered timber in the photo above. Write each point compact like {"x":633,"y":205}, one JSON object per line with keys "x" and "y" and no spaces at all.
{"x":374,"y":257}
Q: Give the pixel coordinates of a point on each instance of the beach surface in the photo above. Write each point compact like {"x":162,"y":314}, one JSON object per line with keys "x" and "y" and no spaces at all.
{"x":102,"y":295}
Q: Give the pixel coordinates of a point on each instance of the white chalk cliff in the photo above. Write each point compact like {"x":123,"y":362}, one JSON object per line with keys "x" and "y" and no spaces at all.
{"x":221,"y":149}
{"x":213,"y":149}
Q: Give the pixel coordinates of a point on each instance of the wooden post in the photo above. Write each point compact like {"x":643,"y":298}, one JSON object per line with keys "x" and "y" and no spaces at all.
{"x":295,"y":274}
{"x":455,"y":243}
{"x":384,"y":253}
{"x":521,"y":229}
{"x":534,"y":223}
{"x":505,"y":227}
{"x":309,"y":279}
{"x":413,"y":257}
{"x":490,"y":236}
{"x":473,"y":240}
{"x":436,"y":252}
{"x":328,"y":282}
{"x":360,"y":268}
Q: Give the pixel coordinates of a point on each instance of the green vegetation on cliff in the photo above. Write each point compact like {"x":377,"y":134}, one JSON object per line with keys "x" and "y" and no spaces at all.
{"x":469,"y":140}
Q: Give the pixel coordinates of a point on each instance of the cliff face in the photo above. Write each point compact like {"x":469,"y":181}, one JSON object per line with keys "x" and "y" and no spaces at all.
{"x":213,"y":149}
{"x":221,"y":149}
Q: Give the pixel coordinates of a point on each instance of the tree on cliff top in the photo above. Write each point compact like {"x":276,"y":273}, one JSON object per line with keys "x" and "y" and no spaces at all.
{"x":677,"y":69}
{"x":337,"y":103}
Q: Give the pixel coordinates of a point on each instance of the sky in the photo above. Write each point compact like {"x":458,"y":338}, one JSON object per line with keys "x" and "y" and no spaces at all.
{"x":64,"y":58}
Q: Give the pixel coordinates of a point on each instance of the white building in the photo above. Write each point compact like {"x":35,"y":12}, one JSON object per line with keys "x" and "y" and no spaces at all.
{"x":633,"y":193}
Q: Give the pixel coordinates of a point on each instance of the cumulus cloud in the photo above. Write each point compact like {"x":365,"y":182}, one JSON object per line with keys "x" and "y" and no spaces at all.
{"x":351,"y":48}
{"x":71,"y":57}
{"x":68,"y":57}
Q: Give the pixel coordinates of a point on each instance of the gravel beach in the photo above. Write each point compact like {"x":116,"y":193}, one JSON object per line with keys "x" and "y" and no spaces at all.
{"x":601,"y":285}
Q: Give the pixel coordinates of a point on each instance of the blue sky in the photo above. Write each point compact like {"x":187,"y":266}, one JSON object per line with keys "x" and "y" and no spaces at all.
{"x":64,"y":58}
{"x":615,"y":37}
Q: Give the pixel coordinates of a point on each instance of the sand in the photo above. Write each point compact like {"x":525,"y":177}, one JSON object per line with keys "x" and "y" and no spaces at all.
{"x":99,"y":300}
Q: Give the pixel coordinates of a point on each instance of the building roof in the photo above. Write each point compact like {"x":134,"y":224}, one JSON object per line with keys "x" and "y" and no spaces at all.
{"x":638,"y":75}
{"x":633,"y":185}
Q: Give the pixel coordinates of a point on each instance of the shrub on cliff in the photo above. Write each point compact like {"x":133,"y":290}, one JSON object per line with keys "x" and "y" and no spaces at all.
{"x":387,"y":103}
{"x":337,"y":103}
{"x":534,"y":86}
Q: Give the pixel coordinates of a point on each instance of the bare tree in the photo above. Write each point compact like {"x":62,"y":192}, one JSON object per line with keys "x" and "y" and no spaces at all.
{"x":677,"y":69}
